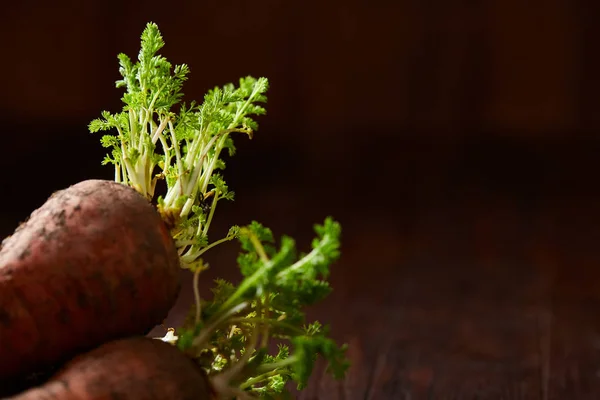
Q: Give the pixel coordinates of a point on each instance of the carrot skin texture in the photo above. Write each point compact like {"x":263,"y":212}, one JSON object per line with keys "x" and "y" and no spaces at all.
{"x":136,"y":368}
{"x":93,"y":264}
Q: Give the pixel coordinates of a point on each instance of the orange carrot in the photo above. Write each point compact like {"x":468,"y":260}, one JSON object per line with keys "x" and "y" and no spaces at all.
{"x":93,"y":264}
{"x":137,"y":368}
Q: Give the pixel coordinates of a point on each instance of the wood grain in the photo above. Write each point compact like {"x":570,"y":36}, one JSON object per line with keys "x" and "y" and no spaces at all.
{"x":506,"y":308}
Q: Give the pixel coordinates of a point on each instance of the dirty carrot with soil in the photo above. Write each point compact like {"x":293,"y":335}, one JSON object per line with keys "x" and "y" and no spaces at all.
{"x":94,"y":263}
{"x":127,"y":369}
{"x":100,"y":276}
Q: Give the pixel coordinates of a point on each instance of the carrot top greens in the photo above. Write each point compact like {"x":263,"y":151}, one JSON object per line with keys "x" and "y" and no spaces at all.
{"x":158,"y":137}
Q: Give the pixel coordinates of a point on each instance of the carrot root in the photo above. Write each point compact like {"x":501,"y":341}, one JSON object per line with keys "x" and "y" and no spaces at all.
{"x":93,"y":264}
{"x":137,"y":368}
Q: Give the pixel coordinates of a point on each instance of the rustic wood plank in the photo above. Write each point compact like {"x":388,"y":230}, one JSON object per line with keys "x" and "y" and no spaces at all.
{"x":512,"y":318}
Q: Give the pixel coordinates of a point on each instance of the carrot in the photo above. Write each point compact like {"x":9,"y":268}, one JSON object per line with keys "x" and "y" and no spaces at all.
{"x":94,"y":263}
{"x":131,"y":368}
{"x":98,"y":263}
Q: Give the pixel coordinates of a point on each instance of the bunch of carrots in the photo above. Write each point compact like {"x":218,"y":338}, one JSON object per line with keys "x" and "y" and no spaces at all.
{"x":93,"y":270}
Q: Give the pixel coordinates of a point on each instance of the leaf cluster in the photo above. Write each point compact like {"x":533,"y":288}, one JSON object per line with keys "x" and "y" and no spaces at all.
{"x":268,"y":304}
{"x":157,"y":137}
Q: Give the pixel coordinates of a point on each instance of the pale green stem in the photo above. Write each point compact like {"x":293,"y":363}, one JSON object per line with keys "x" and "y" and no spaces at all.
{"x":259,"y":248}
{"x":211,"y":213}
{"x":144,"y":123}
{"x":303,"y":261}
{"x":197,"y":144}
{"x":132,"y":127}
{"x":190,"y":256}
{"x":258,"y":379}
{"x":187,"y":207}
{"x":277,"y":365}
{"x":133,"y":178}
{"x":203,"y":337}
{"x":117,"y":172}
{"x":250,"y":281}
{"x":203,"y":184}
{"x":123,"y":146}
{"x":155,"y":97}
{"x":178,"y":160}
{"x":173,"y":193}
{"x":160,"y":129}
{"x":198,"y":165}
{"x":166,"y":151}
{"x":193,"y":254}
{"x":123,"y":169}
{"x":148,"y":168}
{"x":265,"y":332}
{"x":218,"y":149}
{"x":223,"y":135}
{"x":197,"y":296}
{"x":166,"y":159}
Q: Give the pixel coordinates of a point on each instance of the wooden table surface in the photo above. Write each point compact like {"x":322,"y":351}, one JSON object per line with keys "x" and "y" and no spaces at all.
{"x":480,"y":301}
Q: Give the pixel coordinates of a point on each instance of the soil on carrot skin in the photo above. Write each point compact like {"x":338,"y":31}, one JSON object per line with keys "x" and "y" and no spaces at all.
{"x":132,"y":368}
{"x":83,"y":275}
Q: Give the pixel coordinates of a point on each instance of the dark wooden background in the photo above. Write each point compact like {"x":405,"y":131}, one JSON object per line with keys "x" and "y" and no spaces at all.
{"x":456,"y":141}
